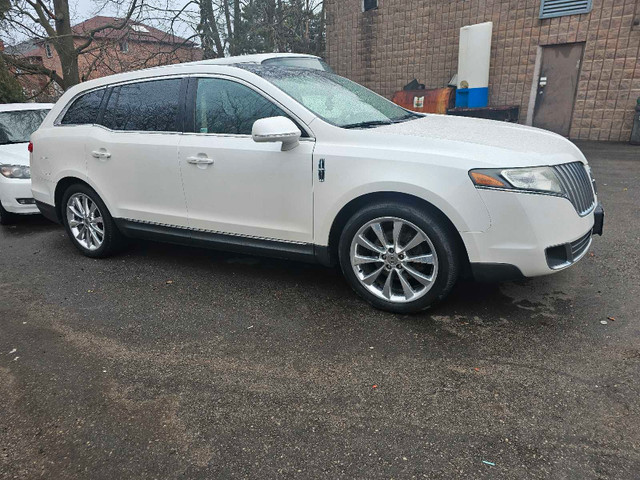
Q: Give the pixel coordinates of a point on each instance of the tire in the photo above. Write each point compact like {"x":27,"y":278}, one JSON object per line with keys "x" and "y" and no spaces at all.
{"x":90,"y":243}
{"x":424,"y":255}
{"x":6,"y":218}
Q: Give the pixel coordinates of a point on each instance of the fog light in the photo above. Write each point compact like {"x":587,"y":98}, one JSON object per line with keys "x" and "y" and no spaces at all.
{"x":26,"y":201}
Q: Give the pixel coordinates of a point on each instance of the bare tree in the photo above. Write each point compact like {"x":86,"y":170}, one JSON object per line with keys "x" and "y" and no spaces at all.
{"x":49,"y":21}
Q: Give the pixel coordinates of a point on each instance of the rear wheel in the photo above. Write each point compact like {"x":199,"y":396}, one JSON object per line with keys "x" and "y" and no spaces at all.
{"x":6,"y":218}
{"x":398,"y":257}
{"x":89,"y":224}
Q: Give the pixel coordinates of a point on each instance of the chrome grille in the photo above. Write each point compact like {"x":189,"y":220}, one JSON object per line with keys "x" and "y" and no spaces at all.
{"x":577,"y":185}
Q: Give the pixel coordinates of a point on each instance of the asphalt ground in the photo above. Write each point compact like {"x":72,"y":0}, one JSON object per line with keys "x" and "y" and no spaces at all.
{"x":169,"y":362}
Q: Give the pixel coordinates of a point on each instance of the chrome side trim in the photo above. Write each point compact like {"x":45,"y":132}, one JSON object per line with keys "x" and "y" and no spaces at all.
{"x":217,"y":232}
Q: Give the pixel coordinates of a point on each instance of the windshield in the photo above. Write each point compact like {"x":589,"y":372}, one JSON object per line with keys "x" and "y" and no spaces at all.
{"x":18,"y":125}
{"x":335,"y":99}
{"x":302,"y":62}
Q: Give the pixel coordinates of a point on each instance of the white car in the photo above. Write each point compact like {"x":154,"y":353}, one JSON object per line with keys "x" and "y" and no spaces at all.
{"x":17,"y":122}
{"x":299,"y":60}
{"x":304,"y":164}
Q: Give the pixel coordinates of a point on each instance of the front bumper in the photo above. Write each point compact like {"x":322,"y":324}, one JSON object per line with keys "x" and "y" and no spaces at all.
{"x":524,"y":227}
{"x":598,"y":216}
{"x":16,"y":196}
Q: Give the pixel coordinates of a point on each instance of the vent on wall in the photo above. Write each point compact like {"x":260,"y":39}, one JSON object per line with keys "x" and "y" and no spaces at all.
{"x":369,"y":5}
{"x":558,"y":8}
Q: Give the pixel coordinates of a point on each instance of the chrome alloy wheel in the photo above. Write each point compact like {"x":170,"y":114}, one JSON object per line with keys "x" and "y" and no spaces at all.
{"x":85,"y":221}
{"x":394,"y":259}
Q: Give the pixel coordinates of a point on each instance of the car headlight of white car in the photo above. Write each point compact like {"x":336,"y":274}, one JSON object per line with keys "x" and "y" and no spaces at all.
{"x":536,"y":179}
{"x":15,"y":171}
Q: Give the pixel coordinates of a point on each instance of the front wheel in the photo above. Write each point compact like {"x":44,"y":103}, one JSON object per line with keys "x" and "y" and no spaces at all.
{"x":89,"y":224}
{"x":399,"y":258}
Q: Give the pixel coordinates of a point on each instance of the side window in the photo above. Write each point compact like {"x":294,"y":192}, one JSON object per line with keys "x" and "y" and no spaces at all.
{"x":145,"y":106}
{"x":84,"y":110}
{"x":227,"y":107}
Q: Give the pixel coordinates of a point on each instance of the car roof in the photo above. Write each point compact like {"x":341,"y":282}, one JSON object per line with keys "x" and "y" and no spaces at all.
{"x":227,"y":65}
{"x":254,"y":58}
{"x":12,"y":107}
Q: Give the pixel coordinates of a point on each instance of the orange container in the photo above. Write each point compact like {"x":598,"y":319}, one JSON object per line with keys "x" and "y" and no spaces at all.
{"x":436,"y":100}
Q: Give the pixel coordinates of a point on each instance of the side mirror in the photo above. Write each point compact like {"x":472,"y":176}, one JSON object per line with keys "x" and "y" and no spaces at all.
{"x":277,"y":129}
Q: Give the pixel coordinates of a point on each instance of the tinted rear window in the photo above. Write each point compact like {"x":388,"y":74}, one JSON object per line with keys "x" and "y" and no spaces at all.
{"x":144,"y":106}
{"x":84,"y":110}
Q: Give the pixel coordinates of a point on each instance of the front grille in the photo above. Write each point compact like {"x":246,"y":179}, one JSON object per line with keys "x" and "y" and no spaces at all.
{"x":577,"y":185}
{"x":564,"y":255}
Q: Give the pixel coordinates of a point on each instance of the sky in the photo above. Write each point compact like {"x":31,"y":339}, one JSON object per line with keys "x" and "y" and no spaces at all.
{"x":84,"y":9}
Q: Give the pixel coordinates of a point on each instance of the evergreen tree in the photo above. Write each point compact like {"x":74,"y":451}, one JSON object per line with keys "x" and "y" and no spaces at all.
{"x":10,"y":89}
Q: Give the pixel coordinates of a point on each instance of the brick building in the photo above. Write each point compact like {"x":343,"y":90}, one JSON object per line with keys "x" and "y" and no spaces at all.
{"x":384,"y":44}
{"x":113,"y":51}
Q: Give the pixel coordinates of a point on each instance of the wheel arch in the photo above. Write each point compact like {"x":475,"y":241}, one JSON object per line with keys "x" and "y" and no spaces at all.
{"x":360,"y":202}
{"x":61,"y":187}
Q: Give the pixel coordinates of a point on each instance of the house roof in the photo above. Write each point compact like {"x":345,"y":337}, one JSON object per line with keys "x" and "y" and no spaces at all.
{"x":133,"y":31}
{"x":23,"y":49}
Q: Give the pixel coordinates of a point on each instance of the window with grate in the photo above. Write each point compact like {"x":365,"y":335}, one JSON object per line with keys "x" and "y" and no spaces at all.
{"x":369,"y":5}
{"x":559,"y":8}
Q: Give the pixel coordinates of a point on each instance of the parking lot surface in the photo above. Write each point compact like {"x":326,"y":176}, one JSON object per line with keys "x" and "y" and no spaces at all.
{"x":169,"y":362}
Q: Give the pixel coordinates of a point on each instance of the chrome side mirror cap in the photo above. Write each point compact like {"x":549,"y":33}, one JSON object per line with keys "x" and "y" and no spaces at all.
{"x":277,"y":129}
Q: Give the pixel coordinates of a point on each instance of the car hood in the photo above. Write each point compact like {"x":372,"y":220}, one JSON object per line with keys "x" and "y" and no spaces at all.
{"x":491,"y":142}
{"x":14,"y":154}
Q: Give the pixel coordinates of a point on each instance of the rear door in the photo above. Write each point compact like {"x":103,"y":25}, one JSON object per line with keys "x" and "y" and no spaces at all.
{"x":557,"y":86}
{"x":133,"y":156}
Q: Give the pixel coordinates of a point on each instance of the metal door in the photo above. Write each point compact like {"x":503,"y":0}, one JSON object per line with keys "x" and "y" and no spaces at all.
{"x":557,"y":84}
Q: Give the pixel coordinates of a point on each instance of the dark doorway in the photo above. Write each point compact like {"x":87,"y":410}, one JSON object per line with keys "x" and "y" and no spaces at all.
{"x":557,"y":84}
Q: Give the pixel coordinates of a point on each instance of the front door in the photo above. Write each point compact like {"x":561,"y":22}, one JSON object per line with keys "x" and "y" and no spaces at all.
{"x":557,"y":85}
{"x":133,"y":162}
{"x":234,"y":185}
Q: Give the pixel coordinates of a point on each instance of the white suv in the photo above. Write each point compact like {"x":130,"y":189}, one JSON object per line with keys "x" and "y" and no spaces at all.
{"x":304,"y":164}
{"x":17,"y":122}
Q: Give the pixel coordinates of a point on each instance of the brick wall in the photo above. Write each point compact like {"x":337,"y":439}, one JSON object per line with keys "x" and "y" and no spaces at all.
{"x":404,"y":39}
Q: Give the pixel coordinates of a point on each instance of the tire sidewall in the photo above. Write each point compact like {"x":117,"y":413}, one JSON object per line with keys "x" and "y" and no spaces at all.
{"x":110,"y":229}
{"x":439,"y":234}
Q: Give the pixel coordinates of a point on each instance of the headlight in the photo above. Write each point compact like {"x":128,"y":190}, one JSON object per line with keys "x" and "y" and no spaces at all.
{"x":540,"y":179}
{"x":15,"y":171}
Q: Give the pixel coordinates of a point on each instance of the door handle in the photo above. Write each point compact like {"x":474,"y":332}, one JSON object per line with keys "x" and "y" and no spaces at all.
{"x":100,"y":154}
{"x":199,"y":161}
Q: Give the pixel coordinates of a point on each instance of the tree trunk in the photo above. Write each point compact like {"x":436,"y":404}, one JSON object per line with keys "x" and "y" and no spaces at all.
{"x":237,"y":27}
{"x":64,"y":44}
{"x":319,"y":46}
{"x":227,"y":21}
{"x":208,"y":30}
{"x":279,"y":28}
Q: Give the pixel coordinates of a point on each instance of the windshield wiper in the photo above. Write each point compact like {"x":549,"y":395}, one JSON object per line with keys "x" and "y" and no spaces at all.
{"x":369,"y":124}
{"x":406,"y":118}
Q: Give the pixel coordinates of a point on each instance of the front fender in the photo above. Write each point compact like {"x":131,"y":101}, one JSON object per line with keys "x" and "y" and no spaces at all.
{"x":467,"y":212}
